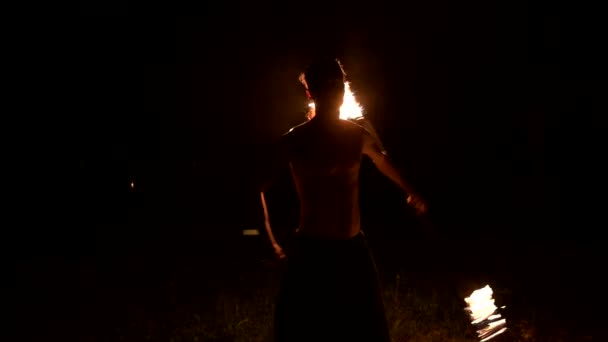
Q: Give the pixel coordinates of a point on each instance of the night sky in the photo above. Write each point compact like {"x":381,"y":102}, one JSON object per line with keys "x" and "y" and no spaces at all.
{"x":478,"y":104}
{"x":482,"y":106}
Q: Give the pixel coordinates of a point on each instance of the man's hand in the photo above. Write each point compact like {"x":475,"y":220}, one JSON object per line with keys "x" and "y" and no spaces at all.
{"x":279,"y":262}
{"x":417,"y":203}
{"x":278,"y":253}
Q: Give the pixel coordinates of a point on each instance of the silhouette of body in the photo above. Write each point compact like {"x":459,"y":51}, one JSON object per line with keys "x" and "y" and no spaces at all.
{"x":330,"y":290}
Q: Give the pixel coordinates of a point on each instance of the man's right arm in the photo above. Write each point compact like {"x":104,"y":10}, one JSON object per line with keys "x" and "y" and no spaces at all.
{"x":278,"y":251}
{"x":278,"y":159}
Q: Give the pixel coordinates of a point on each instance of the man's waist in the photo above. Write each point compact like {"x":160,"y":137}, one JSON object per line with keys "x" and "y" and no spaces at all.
{"x":328,"y":231}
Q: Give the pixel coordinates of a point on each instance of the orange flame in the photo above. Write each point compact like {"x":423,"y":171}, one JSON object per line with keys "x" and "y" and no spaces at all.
{"x":483,"y":314}
{"x":350,"y":108}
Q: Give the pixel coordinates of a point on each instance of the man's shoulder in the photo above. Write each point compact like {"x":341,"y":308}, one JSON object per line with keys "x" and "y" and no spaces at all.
{"x":305,"y":129}
{"x":353,"y":125}
{"x":295,"y":129}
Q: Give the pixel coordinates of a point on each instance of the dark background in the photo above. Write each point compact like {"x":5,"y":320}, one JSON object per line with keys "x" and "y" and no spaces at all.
{"x":484,"y":107}
{"x":480,"y":105}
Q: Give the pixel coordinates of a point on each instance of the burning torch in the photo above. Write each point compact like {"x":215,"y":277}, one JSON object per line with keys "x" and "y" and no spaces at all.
{"x":484,"y":314}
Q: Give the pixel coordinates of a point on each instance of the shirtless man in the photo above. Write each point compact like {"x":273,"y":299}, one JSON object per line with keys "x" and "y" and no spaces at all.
{"x":330,"y":289}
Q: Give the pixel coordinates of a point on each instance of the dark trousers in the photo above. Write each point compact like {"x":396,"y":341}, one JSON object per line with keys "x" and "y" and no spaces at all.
{"x":330,"y":292}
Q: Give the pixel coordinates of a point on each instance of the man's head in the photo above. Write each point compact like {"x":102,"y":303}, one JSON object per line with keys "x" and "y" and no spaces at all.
{"x":324,"y":81}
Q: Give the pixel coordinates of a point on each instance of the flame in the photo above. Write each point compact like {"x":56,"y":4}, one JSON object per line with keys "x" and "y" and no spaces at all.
{"x":483,"y":314}
{"x":350,"y":108}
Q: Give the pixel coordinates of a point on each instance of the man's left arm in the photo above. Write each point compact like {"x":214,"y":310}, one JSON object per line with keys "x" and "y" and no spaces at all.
{"x":372,"y":148}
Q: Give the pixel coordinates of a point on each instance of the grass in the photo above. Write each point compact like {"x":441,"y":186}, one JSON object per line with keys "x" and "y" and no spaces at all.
{"x":229,"y":296}
{"x":246,"y":315}
{"x":241,"y":310}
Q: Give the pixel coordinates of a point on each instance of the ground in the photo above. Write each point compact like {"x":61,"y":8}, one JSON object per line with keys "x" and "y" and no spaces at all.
{"x":225,"y":292}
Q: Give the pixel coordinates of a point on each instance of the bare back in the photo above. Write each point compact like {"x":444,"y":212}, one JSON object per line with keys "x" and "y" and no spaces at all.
{"x":325,"y":159}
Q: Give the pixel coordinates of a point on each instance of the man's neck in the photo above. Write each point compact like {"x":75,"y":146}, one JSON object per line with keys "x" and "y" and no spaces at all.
{"x":327,"y":113}
{"x":325,"y":119}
